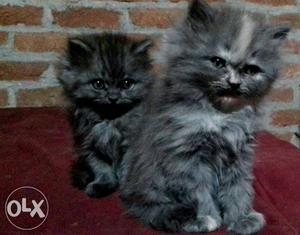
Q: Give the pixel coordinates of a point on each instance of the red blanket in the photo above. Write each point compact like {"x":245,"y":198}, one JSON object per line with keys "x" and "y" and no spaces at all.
{"x":36,"y":150}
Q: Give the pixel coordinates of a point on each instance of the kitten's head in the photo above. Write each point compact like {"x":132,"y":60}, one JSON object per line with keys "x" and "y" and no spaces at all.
{"x":229,"y":55}
{"x":106,"y":70}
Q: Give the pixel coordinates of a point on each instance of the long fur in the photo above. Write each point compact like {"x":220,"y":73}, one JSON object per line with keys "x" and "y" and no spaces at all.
{"x":190,"y":167}
{"x":106,"y":77}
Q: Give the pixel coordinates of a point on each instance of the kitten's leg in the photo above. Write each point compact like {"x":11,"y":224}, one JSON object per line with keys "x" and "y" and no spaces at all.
{"x":236,"y":199}
{"x":208,"y":215}
{"x":98,"y":155}
{"x":104,"y":139}
{"x":183,"y":211}
{"x":162,"y":216}
{"x":94,"y":176}
{"x":173,"y":217}
{"x":105,"y":181}
{"x":81,"y":173}
{"x":124,"y":163}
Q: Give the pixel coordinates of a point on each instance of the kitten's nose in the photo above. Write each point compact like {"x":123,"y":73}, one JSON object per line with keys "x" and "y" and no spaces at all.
{"x":113,"y":99}
{"x":234,"y":80}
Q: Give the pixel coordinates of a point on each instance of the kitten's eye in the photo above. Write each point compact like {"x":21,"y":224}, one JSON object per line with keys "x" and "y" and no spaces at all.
{"x":127,"y":84}
{"x":251,"y":69}
{"x":98,"y":84}
{"x":218,"y":62}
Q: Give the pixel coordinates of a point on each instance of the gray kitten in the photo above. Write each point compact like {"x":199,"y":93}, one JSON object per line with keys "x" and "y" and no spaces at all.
{"x":106,"y":77}
{"x":190,"y":169}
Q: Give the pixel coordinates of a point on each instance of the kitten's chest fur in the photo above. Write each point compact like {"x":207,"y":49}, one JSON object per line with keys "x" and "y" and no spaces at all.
{"x":237,"y":129}
{"x":85,"y":119}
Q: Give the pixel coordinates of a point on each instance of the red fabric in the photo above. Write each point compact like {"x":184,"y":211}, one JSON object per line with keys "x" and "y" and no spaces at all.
{"x":36,"y":150}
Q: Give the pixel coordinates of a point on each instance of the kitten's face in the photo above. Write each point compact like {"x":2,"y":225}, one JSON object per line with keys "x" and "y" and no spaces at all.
{"x":109,"y":70}
{"x":228,"y":55}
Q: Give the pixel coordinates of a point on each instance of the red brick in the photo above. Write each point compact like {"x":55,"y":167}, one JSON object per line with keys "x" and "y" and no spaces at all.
{"x":85,"y":17}
{"x":291,"y":71}
{"x":40,"y":42}
{"x":41,"y":97}
{"x":155,"y":39}
{"x":275,"y":3}
{"x":157,"y":18}
{"x":292,"y":47}
{"x":20,"y":15}
{"x":15,"y":71}
{"x":3,"y":38}
{"x":209,"y":1}
{"x":290,"y":19}
{"x":286,"y":118}
{"x":3,"y":98}
{"x":281,"y":95}
{"x":137,"y":0}
{"x":137,"y":37}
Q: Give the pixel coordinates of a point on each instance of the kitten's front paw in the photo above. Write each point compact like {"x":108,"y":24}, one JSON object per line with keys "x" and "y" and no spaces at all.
{"x":81,"y":175}
{"x":249,"y":224}
{"x":99,"y":190}
{"x":202,"y":224}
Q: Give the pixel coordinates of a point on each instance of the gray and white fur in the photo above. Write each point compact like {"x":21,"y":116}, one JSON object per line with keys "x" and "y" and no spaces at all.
{"x":190,"y":168}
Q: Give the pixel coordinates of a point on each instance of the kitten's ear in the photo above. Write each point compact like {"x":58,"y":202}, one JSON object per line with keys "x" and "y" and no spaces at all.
{"x":142,"y":47}
{"x":79,"y":52}
{"x":199,"y":11}
{"x":279,"y":34}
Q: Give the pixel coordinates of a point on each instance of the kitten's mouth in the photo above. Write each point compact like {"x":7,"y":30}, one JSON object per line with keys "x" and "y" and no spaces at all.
{"x":229,"y":101}
{"x":111,"y":111}
{"x":229,"y":93}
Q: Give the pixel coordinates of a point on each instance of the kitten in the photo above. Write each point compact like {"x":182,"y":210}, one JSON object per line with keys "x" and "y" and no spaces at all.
{"x":190,"y":169}
{"x":105,"y":77}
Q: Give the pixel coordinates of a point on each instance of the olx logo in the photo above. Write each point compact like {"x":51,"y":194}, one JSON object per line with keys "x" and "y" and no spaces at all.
{"x":26,"y":208}
{"x":22,"y":207}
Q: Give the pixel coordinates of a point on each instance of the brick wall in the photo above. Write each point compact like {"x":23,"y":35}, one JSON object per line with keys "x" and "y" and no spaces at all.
{"x":33,"y":33}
